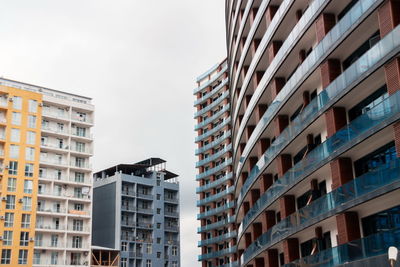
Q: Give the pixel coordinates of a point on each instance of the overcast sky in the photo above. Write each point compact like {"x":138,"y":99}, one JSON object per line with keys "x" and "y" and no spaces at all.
{"x":138,"y":60}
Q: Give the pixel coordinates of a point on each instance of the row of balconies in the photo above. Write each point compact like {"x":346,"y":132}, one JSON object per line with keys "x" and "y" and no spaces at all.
{"x":63,"y":212}
{"x":213,"y":79}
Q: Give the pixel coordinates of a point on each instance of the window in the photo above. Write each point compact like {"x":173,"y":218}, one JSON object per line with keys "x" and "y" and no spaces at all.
{"x":149,"y":248}
{"x":124,"y":262}
{"x":75,"y":259}
{"x":14,"y":151}
{"x":381,"y":222}
{"x":158,"y":196}
{"x":22,"y":256}
{"x":158,"y":211}
{"x":36,"y":257}
{"x":17,"y":102}
{"x":80,"y":147}
{"x":6,"y":256}
{"x":76,"y":242}
{"x":58,"y":190}
{"x":174,"y":251}
{"x":158,"y":254}
{"x":77,"y":225}
{"x":79,"y":177}
{"x":13,"y":168}
{"x":27,"y":203}
{"x":33,"y":104}
{"x":124,"y":246}
{"x":15,"y":135}
{"x":16,"y":118}
{"x":54,"y":240}
{"x":80,"y":162}
{"x":9,"y":219}
{"x":158,"y":240}
{"x":30,"y":138}
{"x":28,"y":185}
{"x":81,"y":116}
{"x":32,"y":121}
{"x":54,"y":258}
{"x":158,"y":225}
{"x":148,"y":263}
{"x":78,"y":192}
{"x":10,"y":203}
{"x":30,"y":153}
{"x":60,"y":127}
{"x":24,"y":239}
{"x":78,"y":206}
{"x":7,"y":238}
{"x":81,"y":131}
{"x":26,"y":220}
{"x":12,"y":184}
{"x":158,"y":182}
{"x":29,"y":170}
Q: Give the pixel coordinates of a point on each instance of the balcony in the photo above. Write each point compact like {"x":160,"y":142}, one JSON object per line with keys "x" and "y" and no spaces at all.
{"x":144,"y":210}
{"x":212,"y":118}
{"x":213,"y":143}
{"x":379,"y":116}
{"x":228,"y":205}
{"x":210,"y":94}
{"x":54,"y":130}
{"x":214,"y":170}
{"x":51,"y":210}
{"x":145,"y":196}
{"x":214,"y":156}
{"x":128,"y":193}
{"x":173,"y":228}
{"x":80,"y":165}
{"x":171,"y":242}
{"x":171,"y":199}
{"x":171,"y":213}
{"x":215,"y":225}
{"x":215,"y":183}
{"x":81,"y":119}
{"x":53,"y":162}
{"x":216,"y":196}
{"x":368,"y":186}
{"x":218,"y":253}
{"x":144,"y":225}
{"x":213,"y":130}
{"x":47,"y":227}
{"x":78,"y":212}
{"x":209,"y":82}
{"x":55,"y":115}
{"x":217,"y":239}
{"x":135,"y":254}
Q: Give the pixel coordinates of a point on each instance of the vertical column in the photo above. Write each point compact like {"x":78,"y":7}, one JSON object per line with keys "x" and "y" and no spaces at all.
{"x":388,"y":16}
{"x":335,"y":119}
{"x":348,"y":227}
{"x":291,"y":249}
{"x":257,"y":78}
{"x":270,"y":13}
{"x":276,"y":86}
{"x":287,"y":205}
{"x":262,"y":146}
{"x":323,"y":25}
{"x":284,"y":163}
{"x":330,"y":69}
{"x":280,"y":123}
{"x":273,"y":49}
{"x":342,"y":171}
{"x":272,"y":258}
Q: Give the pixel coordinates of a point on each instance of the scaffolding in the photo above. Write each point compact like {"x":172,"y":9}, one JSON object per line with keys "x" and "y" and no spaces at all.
{"x":104,"y":257}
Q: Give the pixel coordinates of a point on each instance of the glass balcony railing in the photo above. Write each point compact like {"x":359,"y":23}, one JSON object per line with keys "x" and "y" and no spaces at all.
{"x":217,"y":239}
{"x":231,"y":264}
{"x":213,"y":130}
{"x":213,"y":143}
{"x":212,"y":105}
{"x":212,"y":118}
{"x":214,"y":170}
{"x":339,"y":32}
{"x":213,"y":79}
{"x":380,"y":115}
{"x":340,"y":86}
{"x":218,"y":253}
{"x":205,"y":74}
{"x":215,"y":183}
{"x":214,"y":156}
{"x":215,"y":225}
{"x":324,"y":207}
{"x":367,"y":247}
{"x":215,"y":90}
{"x":219,"y":195}
{"x":217,"y":210}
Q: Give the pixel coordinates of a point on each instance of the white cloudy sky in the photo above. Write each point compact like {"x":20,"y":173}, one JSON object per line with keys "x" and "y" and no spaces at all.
{"x":138,"y":60}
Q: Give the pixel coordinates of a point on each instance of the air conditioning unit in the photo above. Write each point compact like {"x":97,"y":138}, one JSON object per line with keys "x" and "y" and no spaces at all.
{"x":40,"y":104}
{"x":20,"y":200}
{"x":10,"y":99}
{"x":1,"y":237}
{"x":86,"y":263}
{"x":31,"y":239}
{"x":6,"y":167}
{"x":2,"y":217}
{"x":4,"y":198}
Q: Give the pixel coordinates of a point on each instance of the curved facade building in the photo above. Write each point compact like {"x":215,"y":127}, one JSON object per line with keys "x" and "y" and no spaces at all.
{"x":214,"y":152}
{"x":315,"y":109}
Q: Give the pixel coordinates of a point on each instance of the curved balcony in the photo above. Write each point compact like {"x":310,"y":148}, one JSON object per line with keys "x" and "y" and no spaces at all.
{"x":212,"y":118}
{"x":367,"y":186}
{"x":215,"y":183}
{"x":214,"y":170}
{"x":367,"y":247}
{"x":212,"y":105}
{"x":364,"y":66}
{"x":213,"y":143}
{"x":382,"y":115}
{"x":231,"y":264}
{"x":210,"y":94}
{"x":334,"y":37}
{"x":234,"y":25}
{"x":213,"y":79}
{"x":218,"y":253}
{"x":217,"y":239}
{"x":214,"y":156}
{"x":215,"y":197}
{"x":213,"y":130}
{"x":205,"y":74}
{"x":217,"y":210}
{"x":216,"y":225}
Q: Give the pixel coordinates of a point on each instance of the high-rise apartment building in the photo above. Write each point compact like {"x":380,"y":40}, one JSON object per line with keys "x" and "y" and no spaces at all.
{"x":46,"y":180}
{"x":214,"y":152}
{"x":315,"y":110}
{"x":136,"y":210}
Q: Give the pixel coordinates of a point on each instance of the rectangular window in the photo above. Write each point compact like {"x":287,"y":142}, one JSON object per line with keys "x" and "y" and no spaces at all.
{"x":78,"y":206}
{"x":30,"y":138}
{"x":80,"y":147}
{"x":174,"y":251}
{"x":12,"y":184}
{"x":24,"y":239}
{"x":76,"y":242}
{"x":9,"y":219}
{"x":6,"y":256}
{"x":23,"y":256}
{"x":7,"y":238}
{"x":39,"y":238}
{"x":29,"y":170}
{"x":80,"y":131}
{"x":148,"y":263}
{"x":77,"y":225}
{"x":31,"y":121}
{"x":16,"y":118}
{"x":75,"y":259}
{"x":27,"y":203}
{"x":33,"y":104}
{"x":78,"y":192}
{"x":28,"y":185}
{"x":80,"y":162}
{"x":54,"y":258}
{"x":17,"y":102}
{"x":14,"y":151}
{"x":36,"y":257}
{"x":149,"y":248}
{"x":30,"y":153}
{"x":15,"y":135}
{"x":10,"y":203}
{"x":124,"y":246}
{"x":124,"y":262}
{"x":79,"y":177}
{"x":174,"y":264}
{"x":26,"y":221}
{"x":54,"y":241}
{"x":13,"y":168}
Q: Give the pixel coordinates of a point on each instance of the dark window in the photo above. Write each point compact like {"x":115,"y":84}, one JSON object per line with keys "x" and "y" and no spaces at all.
{"x":281,"y":259}
{"x":361,"y":50}
{"x":307,"y":247}
{"x":313,"y":94}
{"x":297,"y":112}
{"x":380,"y":157}
{"x":347,"y":9}
{"x":368,"y":103}
{"x":299,"y":156}
{"x":382,"y":221}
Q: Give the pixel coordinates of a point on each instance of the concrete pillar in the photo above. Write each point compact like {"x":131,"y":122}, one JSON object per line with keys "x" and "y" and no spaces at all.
{"x":287,"y":205}
{"x":284,"y":163}
{"x":276,"y":86}
{"x":335,"y":118}
{"x":348,"y":227}
{"x":291,"y":249}
{"x":330,"y":69}
{"x":388,"y":16}
{"x":323,"y":25}
{"x":342,"y":172}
